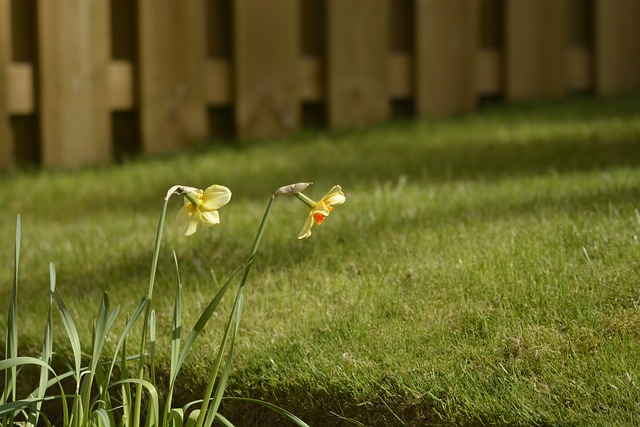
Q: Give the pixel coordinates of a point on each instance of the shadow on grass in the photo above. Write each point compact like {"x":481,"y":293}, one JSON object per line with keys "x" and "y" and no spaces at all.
{"x":500,"y":143}
{"x":528,"y":140}
{"x":580,"y":135}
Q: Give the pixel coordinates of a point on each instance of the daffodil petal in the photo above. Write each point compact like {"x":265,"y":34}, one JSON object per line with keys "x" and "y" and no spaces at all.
{"x":306,"y":230}
{"x":336,"y":199}
{"x":184,"y":215}
{"x":190,"y":227}
{"x":211,"y":217}
{"x":335,"y":196}
{"x":215,"y":197}
{"x":320,"y":208}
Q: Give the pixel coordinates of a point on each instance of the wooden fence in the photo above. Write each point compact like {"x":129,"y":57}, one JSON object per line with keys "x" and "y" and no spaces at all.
{"x":84,"y":81}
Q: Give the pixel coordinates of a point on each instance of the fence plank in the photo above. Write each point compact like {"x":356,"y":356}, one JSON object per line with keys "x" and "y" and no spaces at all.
{"x":311,"y":79}
{"x":218,"y":82}
{"x":617,"y":46}
{"x":446,"y":40}
{"x":579,"y":69}
{"x":357,"y":62}
{"x":489,"y":72}
{"x":178,"y":67}
{"x":536,"y":48}
{"x":267,"y":68}
{"x":6,"y":138}
{"x":172,"y":54}
{"x":20,"y":90}
{"x":121,"y":97}
{"x":401,"y":80}
{"x":74,"y":102}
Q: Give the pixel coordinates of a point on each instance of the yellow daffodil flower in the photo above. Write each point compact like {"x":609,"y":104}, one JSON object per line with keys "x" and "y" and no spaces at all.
{"x":201,"y":207}
{"x":319,"y":210}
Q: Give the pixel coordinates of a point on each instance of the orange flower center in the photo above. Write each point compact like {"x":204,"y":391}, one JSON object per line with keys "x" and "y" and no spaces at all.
{"x":320,"y":217}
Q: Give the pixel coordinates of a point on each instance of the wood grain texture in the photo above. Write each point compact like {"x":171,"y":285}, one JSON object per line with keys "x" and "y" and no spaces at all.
{"x":73,"y":82}
{"x":267,"y":70}
{"x":6,"y":137}
{"x":536,"y":48}
{"x":617,"y":46}
{"x":171,"y":64}
{"x":358,"y":50}
{"x":446,"y":40}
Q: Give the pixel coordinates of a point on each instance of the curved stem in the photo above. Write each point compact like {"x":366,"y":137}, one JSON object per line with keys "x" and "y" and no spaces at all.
{"x":212,"y":379}
{"x":147,"y":313}
{"x":256,"y":242}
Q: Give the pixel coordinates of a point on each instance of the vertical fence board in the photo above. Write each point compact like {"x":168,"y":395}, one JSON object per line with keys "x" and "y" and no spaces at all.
{"x":491,"y":27}
{"x":617,"y":46}
{"x":580,"y":55}
{"x":74,"y":99}
{"x":266,"y":54}
{"x":358,"y":49}
{"x":312,"y":27}
{"x":172,"y":55}
{"x":489,"y":65}
{"x":194,"y":55}
{"x":164,"y":73}
{"x":536,"y":48}
{"x":446,"y":40}
{"x":6,"y":139}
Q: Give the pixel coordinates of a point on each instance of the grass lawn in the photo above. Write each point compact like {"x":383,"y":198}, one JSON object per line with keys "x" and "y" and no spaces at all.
{"x":484,"y":269}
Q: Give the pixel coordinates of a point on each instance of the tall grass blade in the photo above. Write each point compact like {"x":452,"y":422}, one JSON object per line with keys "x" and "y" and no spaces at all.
{"x":101,"y":418}
{"x":8,"y":409}
{"x":145,"y":325}
{"x":206,"y":399}
{"x":11,"y":338}
{"x":177,"y":322}
{"x":101,"y":326}
{"x":74,"y":340}
{"x":176,"y":417}
{"x":142,"y":304}
{"x":111,"y":320}
{"x":63,"y":397}
{"x":192,"y":420}
{"x":237,"y":306}
{"x":167,"y":415}
{"x":72,"y":333}
{"x":120,"y":354}
{"x":104,"y":323}
{"x":273,"y":407}
{"x":124,"y":373}
{"x":18,"y":361}
{"x":152,"y":346}
{"x":16,"y":406}
{"x":47,"y":350}
{"x":224,"y":421}
{"x":203,"y":319}
{"x":45,"y":420}
{"x":153,"y":412}
{"x":103,"y":402}
{"x":224,"y":378}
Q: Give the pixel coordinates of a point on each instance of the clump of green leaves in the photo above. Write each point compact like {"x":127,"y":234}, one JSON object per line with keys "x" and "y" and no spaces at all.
{"x":97,"y":396}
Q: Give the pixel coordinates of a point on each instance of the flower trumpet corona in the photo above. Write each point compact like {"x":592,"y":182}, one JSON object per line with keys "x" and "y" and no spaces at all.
{"x":200,"y":206}
{"x":319,"y":210}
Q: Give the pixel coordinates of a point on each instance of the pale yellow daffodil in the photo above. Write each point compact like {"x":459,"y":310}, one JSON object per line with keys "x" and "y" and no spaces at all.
{"x":320,"y":210}
{"x":202,"y":207}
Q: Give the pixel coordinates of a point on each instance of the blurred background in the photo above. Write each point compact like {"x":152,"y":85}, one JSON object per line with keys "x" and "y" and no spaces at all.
{"x":90,"y":82}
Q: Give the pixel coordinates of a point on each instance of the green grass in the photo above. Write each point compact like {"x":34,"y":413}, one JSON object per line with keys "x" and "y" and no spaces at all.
{"x":484,"y":269}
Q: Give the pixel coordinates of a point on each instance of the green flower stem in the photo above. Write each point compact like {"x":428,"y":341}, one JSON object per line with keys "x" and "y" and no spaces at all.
{"x":306,"y":200}
{"x":147,"y":313}
{"x":256,"y":243}
{"x":247,"y":269}
{"x":192,"y":199}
